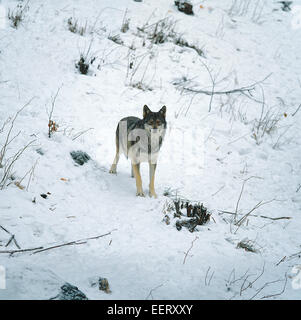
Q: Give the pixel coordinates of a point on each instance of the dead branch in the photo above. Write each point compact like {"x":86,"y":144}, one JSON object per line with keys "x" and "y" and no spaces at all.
{"x":276,"y":218}
{"x":283,"y":259}
{"x":259,"y":216}
{"x":259,"y":204}
{"x":208,"y":283}
{"x":60,"y":245}
{"x":41,"y":249}
{"x":5,"y":229}
{"x":240,"y":195}
{"x":187,"y":252}
{"x":293,"y":256}
{"x":246,"y":90}
{"x":75,"y":242}
{"x":30,"y":172}
{"x":277,"y":294}
{"x":220,"y":189}
{"x":9,"y":166}
{"x":9,"y":241}
{"x":12,"y":238}
{"x":8,"y":140}
{"x":4,"y":125}
{"x":293,"y":114}
{"x":51,"y":124}
{"x":264,"y":286}
{"x":11,"y":252}
{"x":81,"y":133}
{"x":238,"y":201}
{"x":213,"y":80}
{"x":151,"y":291}
{"x":251,"y":283}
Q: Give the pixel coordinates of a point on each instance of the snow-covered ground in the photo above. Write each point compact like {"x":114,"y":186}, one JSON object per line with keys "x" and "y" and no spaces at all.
{"x":206,"y":156}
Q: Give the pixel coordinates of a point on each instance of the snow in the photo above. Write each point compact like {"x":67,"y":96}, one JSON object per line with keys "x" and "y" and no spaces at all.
{"x":142,"y":252}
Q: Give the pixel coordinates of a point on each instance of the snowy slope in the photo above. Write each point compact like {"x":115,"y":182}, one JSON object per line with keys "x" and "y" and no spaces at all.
{"x":142,"y":252}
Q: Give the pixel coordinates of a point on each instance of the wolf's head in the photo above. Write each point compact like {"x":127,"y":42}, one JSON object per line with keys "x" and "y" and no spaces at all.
{"x":154,"y":120}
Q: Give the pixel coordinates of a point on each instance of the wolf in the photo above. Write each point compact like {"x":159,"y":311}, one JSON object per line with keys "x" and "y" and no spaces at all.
{"x":141,"y":140}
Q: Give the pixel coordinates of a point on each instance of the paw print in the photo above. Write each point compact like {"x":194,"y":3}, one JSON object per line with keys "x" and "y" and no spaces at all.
{"x":2,"y":17}
{"x":296,"y":21}
{"x":296,"y":282}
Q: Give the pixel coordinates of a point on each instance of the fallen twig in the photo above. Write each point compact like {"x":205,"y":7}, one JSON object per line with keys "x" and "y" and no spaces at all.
{"x":259,"y":204}
{"x":52,"y":126}
{"x":41,"y":249}
{"x":5,"y":229}
{"x":293,"y":114}
{"x":259,"y":216}
{"x":240,"y":195}
{"x":11,"y":252}
{"x":251,"y":283}
{"x":264,"y":286}
{"x":187,"y":252}
{"x":151,"y":291}
{"x":294,"y":255}
{"x":8,"y":138}
{"x":81,"y":133}
{"x":246,"y":90}
{"x":220,"y":189}
{"x":277,"y":294}
{"x":9,"y":166}
{"x":12,"y":238}
{"x":283,"y":259}
{"x":207,"y":283}
{"x":75,"y":242}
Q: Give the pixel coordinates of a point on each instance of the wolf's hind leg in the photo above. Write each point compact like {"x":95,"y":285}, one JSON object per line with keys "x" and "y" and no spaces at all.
{"x":137,"y":176}
{"x":114,"y":164}
{"x":116,"y":159}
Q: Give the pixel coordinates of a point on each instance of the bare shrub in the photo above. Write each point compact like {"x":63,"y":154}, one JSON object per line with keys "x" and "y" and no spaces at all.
{"x":16,"y":16}
{"x":247,"y":245}
{"x":161,"y":31}
{"x":52,"y":125}
{"x":75,"y":26}
{"x":116,"y":38}
{"x":84,"y":26}
{"x":253,"y":9}
{"x":180,"y":41}
{"x":125,"y":23}
{"x":7,"y":162}
{"x":164,"y":30}
{"x":266,"y":124}
{"x":85,"y":60}
{"x":137,"y":70}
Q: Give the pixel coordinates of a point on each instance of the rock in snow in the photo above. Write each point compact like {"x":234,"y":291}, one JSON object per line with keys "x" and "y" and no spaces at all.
{"x":70,"y":292}
{"x":80,"y":157}
{"x":184,"y":6}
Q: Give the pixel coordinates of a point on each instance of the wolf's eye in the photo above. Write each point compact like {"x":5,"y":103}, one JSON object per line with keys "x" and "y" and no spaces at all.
{"x":158,"y":122}
{"x":151,"y":121}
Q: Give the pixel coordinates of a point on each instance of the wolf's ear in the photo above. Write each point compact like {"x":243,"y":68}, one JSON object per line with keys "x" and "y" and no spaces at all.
{"x":163,"y":111}
{"x":146,"y":111}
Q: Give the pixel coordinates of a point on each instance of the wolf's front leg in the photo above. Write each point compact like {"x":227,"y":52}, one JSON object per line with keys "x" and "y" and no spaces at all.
{"x":114,"y":164}
{"x":138,"y":180}
{"x":152,"y":170}
{"x":116,"y":159}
